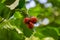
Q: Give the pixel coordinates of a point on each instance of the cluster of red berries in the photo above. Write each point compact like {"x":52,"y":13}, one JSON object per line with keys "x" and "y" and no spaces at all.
{"x":30,"y":21}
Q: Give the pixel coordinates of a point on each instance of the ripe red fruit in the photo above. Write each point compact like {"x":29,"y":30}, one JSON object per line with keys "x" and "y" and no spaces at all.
{"x":33,"y":19}
{"x":30,"y":25}
{"x":26,"y":20}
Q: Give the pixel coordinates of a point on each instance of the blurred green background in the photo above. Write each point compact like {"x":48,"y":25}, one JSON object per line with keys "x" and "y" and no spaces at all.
{"x":13,"y":12}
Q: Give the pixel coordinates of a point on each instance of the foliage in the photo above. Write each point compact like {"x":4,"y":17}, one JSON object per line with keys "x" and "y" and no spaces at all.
{"x":12,"y":26}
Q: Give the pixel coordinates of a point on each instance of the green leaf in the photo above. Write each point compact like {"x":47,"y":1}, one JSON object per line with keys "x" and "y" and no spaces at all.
{"x":35,"y":11}
{"x":18,"y":22}
{"x":51,"y":19}
{"x":55,"y":3}
{"x":6,"y":13}
{"x":0,"y":1}
{"x":3,"y":34}
{"x":48,"y":32}
{"x":57,"y":20}
{"x":0,"y":18}
{"x":17,"y":14}
{"x":27,"y":32}
{"x":40,"y":35}
{"x":9,"y":2}
{"x":10,"y":35}
{"x":11,"y":13}
{"x":59,"y":34}
{"x":21,"y":4}
{"x":2,"y":6}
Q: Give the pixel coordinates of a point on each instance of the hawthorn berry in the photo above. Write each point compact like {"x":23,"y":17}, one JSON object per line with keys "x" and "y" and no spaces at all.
{"x":30,"y":25}
{"x":26,"y":20}
{"x":30,"y":22}
{"x":33,"y":19}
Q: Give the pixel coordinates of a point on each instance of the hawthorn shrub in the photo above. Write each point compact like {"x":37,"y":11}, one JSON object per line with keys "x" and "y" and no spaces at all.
{"x":29,"y":20}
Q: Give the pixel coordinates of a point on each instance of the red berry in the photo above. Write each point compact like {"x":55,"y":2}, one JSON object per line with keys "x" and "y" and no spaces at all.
{"x":33,"y":19}
{"x":26,"y":20}
{"x":30,"y":25}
